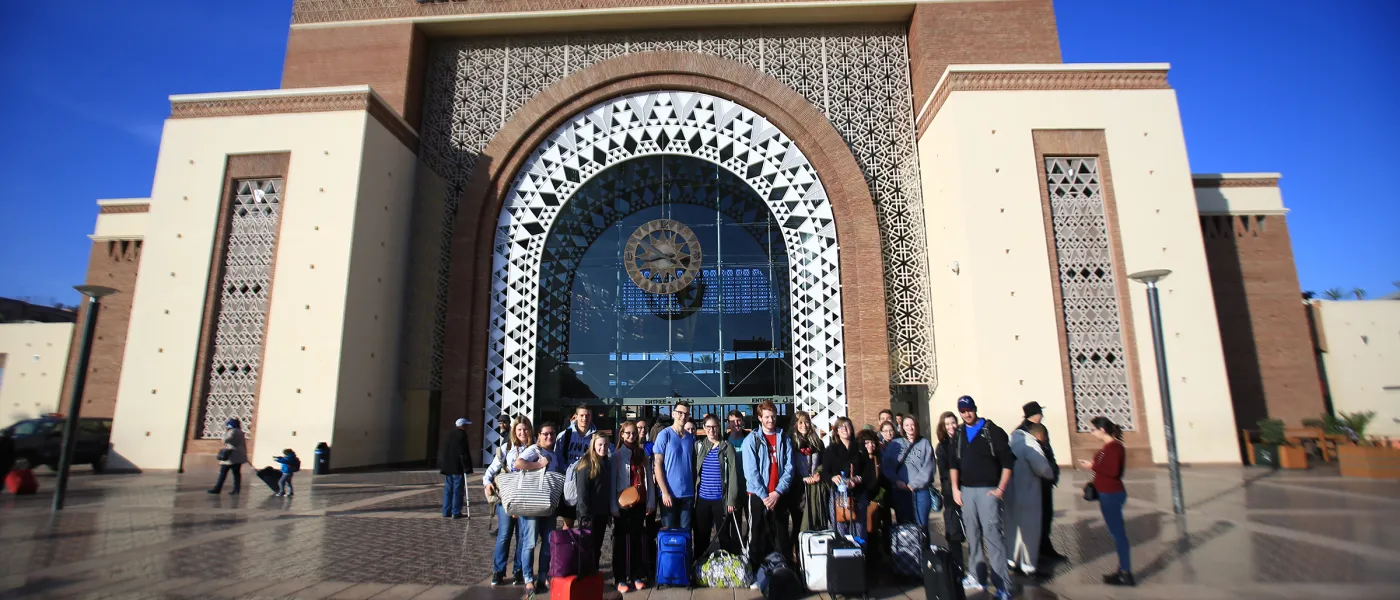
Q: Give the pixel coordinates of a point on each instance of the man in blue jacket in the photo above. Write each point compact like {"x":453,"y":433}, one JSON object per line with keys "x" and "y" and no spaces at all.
{"x":767,"y":474}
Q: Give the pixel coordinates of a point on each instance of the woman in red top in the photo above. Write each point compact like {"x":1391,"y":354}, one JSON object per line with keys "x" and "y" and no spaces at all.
{"x":1108,"y":479}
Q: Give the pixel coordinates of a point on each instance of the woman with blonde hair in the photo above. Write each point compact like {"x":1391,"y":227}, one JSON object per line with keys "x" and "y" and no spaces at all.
{"x":522,"y":437}
{"x":594,"y":478}
{"x":805,"y":505}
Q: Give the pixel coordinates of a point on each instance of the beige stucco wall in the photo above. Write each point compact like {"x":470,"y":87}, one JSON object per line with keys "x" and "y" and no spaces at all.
{"x":1262,"y":200}
{"x":995,"y":331}
{"x":1362,"y":359}
{"x":324,"y":201}
{"x":120,"y":225}
{"x":35,"y":361}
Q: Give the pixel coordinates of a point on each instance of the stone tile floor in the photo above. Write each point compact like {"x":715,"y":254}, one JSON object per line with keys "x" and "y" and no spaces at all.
{"x":1248,"y":533}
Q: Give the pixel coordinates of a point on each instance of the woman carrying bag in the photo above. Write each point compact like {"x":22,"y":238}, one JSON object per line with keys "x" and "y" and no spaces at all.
{"x":848,"y":466}
{"x":521,"y":439}
{"x":634,"y":501}
{"x":1107,"y":488}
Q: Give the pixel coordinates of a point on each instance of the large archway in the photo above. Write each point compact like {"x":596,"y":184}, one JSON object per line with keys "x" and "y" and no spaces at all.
{"x":684,"y":123}
{"x":466,"y":351}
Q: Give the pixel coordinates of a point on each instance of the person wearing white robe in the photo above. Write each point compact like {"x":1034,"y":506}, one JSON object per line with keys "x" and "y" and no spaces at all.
{"x":1022,"y":522}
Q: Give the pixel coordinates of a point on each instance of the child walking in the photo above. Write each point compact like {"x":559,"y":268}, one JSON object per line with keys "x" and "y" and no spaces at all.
{"x":290,"y":465}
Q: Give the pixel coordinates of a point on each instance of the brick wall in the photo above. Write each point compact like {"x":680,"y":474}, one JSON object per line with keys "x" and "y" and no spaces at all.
{"x":1263,"y":326}
{"x":113,"y":264}
{"x":388,"y":58}
{"x":954,"y":33}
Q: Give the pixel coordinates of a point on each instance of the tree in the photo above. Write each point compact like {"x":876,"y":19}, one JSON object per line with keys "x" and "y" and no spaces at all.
{"x":1309,"y":295}
{"x":1359,"y":293}
{"x":1333,"y":293}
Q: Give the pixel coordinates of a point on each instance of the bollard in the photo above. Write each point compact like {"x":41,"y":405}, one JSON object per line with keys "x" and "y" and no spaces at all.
{"x":323,"y":460}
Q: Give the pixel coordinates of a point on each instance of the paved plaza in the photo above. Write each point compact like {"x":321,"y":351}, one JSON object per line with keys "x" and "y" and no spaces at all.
{"x":1249,"y":533}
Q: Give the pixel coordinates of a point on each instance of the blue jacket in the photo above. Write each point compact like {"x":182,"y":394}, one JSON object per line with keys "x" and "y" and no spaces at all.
{"x":756,"y":463}
{"x":290,"y":464}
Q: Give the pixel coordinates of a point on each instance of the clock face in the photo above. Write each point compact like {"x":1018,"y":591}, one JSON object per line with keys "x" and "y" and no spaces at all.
{"x":662,"y":256}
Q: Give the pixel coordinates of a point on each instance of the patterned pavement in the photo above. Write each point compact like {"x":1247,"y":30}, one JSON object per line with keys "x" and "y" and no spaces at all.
{"x":1248,"y":533}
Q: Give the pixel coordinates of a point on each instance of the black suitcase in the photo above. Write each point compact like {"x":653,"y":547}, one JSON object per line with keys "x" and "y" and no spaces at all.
{"x":942,"y":575}
{"x":845,"y":568}
{"x":272,"y":476}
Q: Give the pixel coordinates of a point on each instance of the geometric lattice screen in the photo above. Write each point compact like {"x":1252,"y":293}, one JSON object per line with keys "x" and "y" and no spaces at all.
{"x":858,"y":76}
{"x":243,"y":293}
{"x":1093,"y":323}
{"x":709,"y":128}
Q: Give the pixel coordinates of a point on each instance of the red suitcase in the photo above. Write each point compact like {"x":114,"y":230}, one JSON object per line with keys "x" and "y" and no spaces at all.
{"x":589,"y":587}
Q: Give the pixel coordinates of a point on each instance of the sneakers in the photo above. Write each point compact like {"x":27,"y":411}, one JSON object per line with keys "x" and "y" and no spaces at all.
{"x":639,"y":585}
{"x":519,"y":579}
{"x":278,"y":495}
{"x":214,"y":492}
{"x":1121,"y":578}
{"x":1003,"y":595}
{"x":497,"y":577}
{"x":971,"y":583}
{"x":622,"y":588}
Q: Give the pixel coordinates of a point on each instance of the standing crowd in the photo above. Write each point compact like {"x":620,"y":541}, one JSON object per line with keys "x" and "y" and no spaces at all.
{"x":682,"y":495}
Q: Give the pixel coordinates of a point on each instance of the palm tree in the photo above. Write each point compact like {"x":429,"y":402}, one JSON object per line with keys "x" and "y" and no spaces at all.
{"x":1309,"y":295}
{"x":1333,"y":293}
{"x":1359,"y":293}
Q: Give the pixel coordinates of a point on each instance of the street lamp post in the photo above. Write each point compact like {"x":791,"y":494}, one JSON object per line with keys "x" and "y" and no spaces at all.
{"x":1154,"y":307}
{"x":94,"y":295}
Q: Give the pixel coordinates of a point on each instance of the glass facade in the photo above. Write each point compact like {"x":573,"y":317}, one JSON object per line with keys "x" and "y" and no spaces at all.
{"x":719,"y":336}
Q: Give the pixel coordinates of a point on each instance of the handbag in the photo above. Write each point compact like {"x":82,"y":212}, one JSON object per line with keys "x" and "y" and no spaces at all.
{"x":224,"y":454}
{"x":1091,"y":493}
{"x":845,"y":507}
{"x":530,"y":493}
{"x":953,"y":523}
{"x":629,"y":497}
{"x":722,"y":569}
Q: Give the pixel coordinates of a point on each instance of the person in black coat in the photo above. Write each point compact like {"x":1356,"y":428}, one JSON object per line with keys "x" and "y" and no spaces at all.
{"x":952,"y":517}
{"x":454,"y":462}
{"x":846,"y":461}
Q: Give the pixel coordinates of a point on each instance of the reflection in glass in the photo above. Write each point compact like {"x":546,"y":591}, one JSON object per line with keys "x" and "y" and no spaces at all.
{"x":605,"y":340}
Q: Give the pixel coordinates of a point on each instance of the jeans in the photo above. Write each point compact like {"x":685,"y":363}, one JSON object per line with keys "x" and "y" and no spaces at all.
{"x":506,"y":527}
{"x":982,"y":523}
{"x":453,"y":494}
{"x":678,"y":515}
{"x":912,"y":506}
{"x":237,"y":477}
{"x":1111,"y":505}
{"x":284,"y":485}
{"x":543,"y":527}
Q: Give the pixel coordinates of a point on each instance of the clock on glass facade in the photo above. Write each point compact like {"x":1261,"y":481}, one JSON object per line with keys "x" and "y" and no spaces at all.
{"x":662,"y":256}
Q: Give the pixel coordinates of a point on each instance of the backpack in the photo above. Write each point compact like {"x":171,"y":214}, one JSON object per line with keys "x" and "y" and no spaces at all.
{"x":571,"y":487}
{"x":294,"y":463}
{"x":777,"y":580}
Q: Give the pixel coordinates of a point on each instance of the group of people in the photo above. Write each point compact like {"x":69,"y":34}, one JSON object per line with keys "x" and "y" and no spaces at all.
{"x":694,"y":475}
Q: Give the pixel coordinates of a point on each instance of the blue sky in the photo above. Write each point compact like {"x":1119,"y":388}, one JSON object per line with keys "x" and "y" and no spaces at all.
{"x":1305,"y":88}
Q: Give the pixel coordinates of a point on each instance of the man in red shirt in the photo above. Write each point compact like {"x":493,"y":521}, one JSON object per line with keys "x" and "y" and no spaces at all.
{"x":767,"y":458}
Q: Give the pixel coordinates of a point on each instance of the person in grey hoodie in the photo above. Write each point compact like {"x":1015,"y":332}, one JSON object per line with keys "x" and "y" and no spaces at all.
{"x":767,"y":457}
{"x":910,"y":467}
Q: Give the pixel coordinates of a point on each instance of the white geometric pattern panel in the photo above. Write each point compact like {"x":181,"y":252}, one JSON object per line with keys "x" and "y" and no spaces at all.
{"x":1093,"y":324}
{"x":243,"y":293}
{"x":858,"y":76}
{"x":681,"y":123}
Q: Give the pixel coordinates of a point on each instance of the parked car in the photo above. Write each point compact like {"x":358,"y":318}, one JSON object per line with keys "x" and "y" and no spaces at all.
{"x":40,"y":441}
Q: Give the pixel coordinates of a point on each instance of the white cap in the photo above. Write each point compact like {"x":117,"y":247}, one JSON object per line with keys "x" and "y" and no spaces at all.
{"x":461,"y":422}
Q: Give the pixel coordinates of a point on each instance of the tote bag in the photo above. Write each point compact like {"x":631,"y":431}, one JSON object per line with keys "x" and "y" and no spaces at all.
{"x":530,"y":493}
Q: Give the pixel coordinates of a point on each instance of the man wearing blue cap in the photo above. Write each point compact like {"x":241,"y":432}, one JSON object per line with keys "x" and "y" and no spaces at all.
{"x":979,"y":472}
